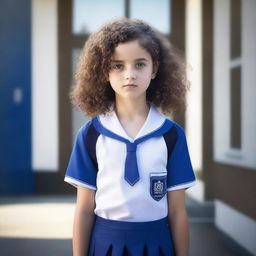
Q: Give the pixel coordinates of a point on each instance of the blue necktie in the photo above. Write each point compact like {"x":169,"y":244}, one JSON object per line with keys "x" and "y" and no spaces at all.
{"x":131,"y":172}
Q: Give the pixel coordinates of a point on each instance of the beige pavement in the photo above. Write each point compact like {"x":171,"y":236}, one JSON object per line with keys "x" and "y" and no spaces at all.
{"x":45,"y":217}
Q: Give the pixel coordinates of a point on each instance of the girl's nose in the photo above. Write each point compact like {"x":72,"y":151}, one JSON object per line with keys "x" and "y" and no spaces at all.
{"x":130,"y":74}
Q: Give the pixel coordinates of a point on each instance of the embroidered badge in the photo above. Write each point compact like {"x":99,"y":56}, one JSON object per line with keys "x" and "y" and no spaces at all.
{"x":158,"y":185}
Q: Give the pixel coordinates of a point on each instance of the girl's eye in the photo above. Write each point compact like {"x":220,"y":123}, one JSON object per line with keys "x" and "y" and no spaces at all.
{"x":117,"y":66}
{"x":140,"y":65}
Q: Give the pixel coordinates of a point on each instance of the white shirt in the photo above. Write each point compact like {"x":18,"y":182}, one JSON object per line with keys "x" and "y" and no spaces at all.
{"x":159,"y":172}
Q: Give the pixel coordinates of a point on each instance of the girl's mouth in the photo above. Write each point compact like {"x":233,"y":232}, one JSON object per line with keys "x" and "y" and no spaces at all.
{"x":130,"y":85}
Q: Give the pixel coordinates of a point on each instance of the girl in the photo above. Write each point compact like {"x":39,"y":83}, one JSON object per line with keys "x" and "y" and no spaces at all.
{"x":130,"y":163}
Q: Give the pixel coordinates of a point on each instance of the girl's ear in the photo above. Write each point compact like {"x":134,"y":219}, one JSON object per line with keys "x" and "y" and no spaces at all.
{"x":155,"y":69}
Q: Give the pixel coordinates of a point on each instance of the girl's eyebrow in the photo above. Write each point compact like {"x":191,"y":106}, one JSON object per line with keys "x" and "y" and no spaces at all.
{"x":117,"y":61}
{"x":139,"y":59}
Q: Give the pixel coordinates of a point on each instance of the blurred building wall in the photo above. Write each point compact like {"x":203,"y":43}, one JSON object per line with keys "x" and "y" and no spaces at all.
{"x":229,"y":123}
{"x":15,"y":97}
{"x":45,"y":119}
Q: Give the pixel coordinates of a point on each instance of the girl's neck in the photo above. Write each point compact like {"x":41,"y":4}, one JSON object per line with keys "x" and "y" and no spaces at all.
{"x":131,"y":109}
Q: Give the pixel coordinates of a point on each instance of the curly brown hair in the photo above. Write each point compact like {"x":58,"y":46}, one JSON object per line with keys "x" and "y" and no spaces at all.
{"x":92,"y":92}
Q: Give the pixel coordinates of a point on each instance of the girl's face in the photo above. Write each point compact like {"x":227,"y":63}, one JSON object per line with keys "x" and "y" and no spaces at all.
{"x":131,"y":71}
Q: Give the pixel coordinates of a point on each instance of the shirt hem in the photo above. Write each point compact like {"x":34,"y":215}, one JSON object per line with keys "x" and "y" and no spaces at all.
{"x":75,"y":183}
{"x":182,"y":186}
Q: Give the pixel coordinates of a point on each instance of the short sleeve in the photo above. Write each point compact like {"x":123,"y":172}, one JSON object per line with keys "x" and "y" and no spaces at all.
{"x":179,"y":168}
{"x":81,"y":169}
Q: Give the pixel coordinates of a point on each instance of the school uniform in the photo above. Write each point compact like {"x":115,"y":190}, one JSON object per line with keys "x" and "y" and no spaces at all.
{"x":131,"y":178}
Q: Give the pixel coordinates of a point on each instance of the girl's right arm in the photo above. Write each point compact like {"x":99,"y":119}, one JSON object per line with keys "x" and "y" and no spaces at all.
{"x":83,"y":220}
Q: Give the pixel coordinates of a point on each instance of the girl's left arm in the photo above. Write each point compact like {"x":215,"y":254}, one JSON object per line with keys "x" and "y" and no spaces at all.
{"x":178,"y":221}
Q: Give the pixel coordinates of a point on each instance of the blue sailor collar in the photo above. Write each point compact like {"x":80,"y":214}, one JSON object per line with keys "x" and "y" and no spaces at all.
{"x":154,"y":121}
{"x":155,"y":125}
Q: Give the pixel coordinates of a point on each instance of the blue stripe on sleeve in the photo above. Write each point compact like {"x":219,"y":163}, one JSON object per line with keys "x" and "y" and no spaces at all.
{"x":81,"y":167}
{"x":179,"y":167}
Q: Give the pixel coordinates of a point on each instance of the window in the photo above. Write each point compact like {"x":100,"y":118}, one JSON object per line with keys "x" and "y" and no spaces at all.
{"x":234,"y":82}
{"x":155,"y":12}
{"x":89,"y":15}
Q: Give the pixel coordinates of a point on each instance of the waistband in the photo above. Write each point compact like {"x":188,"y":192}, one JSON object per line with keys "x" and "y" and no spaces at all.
{"x":127,"y":225}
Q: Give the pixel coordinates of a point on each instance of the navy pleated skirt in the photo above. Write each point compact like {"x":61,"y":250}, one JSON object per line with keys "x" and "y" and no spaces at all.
{"x":119,"y":238}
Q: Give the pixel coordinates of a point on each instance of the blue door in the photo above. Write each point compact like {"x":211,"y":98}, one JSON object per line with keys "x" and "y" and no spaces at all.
{"x":16,"y":176}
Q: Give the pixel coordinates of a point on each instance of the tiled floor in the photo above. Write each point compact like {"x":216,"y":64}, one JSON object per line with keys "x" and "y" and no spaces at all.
{"x":40,"y":226}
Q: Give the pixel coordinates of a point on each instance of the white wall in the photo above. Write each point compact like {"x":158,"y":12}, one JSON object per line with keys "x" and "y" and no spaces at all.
{"x":194,"y":99}
{"x":236,"y":225}
{"x":44,"y":85}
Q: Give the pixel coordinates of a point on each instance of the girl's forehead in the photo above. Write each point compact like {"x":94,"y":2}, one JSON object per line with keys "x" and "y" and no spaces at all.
{"x":131,"y":49}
